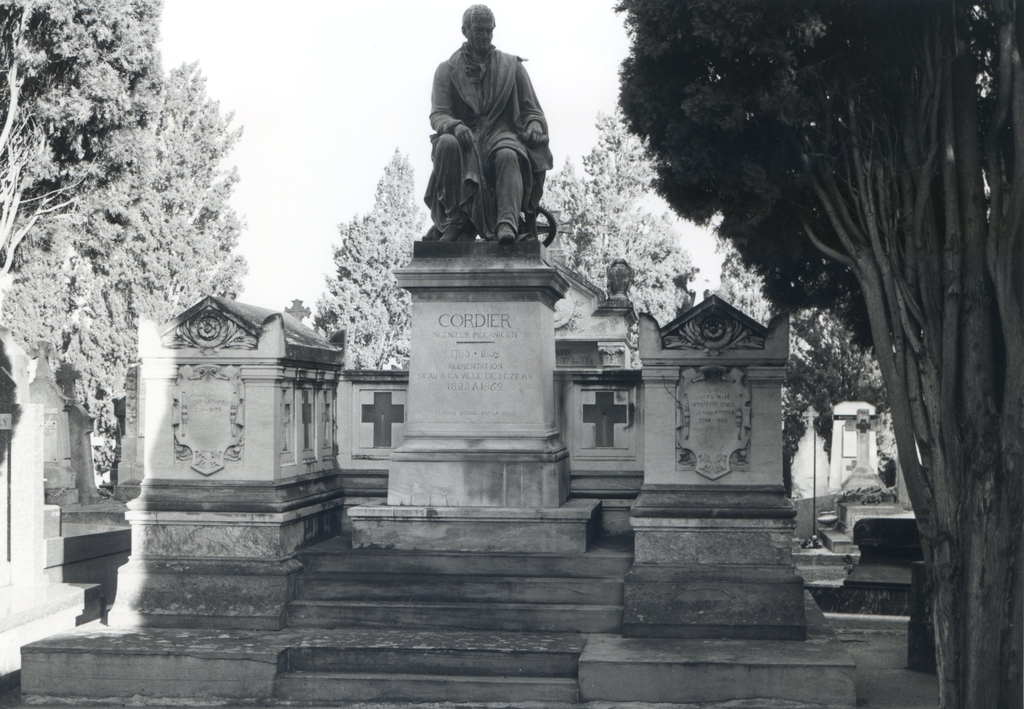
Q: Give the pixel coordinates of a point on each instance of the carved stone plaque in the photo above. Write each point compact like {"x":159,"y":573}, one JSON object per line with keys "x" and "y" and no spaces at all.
{"x":208,"y":416}
{"x":714,"y":408}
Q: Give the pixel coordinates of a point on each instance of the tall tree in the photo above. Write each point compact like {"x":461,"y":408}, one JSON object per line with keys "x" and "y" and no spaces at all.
{"x":75,"y":74}
{"x":362,"y":296}
{"x":870,"y":156}
{"x":146,"y":241}
{"x":608,"y":213}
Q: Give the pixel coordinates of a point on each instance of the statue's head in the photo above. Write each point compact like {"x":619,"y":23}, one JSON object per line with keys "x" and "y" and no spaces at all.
{"x":478,"y":27}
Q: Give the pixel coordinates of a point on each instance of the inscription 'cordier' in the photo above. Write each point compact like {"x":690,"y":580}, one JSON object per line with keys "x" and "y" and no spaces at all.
{"x":474,"y":320}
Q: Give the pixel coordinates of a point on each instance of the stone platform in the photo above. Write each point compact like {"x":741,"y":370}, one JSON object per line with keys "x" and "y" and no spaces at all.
{"x":371,"y":625}
{"x":568,"y":528}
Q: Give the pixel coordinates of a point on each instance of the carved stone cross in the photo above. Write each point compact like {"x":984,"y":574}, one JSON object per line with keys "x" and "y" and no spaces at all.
{"x":382,"y":413}
{"x":604,"y":413}
{"x":298,"y":310}
{"x":67,"y":375}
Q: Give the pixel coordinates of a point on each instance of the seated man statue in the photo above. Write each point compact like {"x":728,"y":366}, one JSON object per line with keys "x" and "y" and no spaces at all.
{"x":490,"y":151}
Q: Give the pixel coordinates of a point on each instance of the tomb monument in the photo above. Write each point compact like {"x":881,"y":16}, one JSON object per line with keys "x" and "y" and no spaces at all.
{"x":712,"y":524}
{"x":478,"y":579}
{"x":239,"y":460}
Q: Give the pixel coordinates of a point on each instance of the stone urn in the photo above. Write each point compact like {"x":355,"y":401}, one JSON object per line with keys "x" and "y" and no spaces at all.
{"x":620,"y":276}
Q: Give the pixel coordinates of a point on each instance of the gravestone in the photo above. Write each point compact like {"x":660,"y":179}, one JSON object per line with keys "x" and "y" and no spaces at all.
{"x":240,"y":467}
{"x":481,"y":466}
{"x":67,"y":432}
{"x":854,"y":446}
{"x":810,"y":468}
{"x":713,"y":527}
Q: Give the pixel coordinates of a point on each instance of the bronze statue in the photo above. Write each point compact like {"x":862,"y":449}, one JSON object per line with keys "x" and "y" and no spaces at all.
{"x":490,"y":149}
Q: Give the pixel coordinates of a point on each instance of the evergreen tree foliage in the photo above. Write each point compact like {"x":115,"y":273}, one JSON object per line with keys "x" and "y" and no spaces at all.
{"x":608,"y":213}
{"x":75,"y":76}
{"x":147,"y":240}
{"x":868,"y":157}
{"x":362,"y":296}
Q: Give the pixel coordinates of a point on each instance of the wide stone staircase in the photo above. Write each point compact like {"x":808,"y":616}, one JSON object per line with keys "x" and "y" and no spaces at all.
{"x":385,"y":625}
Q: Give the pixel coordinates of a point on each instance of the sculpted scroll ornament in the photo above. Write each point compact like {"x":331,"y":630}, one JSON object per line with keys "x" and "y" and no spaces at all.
{"x":208,"y":416}
{"x":714,"y":420}
{"x":712,"y":331}
{"x":209,"y":330}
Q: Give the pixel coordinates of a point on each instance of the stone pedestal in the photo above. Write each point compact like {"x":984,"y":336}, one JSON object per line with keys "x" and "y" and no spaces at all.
{"x":712,"y":524}
{"x":480,"y":439}
{"x":240,"y":467}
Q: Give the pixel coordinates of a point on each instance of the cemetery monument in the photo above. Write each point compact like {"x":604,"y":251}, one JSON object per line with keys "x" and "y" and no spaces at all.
{"x":478,"y":578}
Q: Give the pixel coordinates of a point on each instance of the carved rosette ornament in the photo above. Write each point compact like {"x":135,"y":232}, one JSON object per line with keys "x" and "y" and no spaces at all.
{"x":208,"y":416}
{"x":712,"y":331}
{"x":713,"y":431}
{"x":209,"y":330}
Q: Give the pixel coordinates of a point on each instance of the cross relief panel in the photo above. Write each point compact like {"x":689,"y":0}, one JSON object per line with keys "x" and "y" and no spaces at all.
{"x":604,"y":422}
{"x":379,"y":417}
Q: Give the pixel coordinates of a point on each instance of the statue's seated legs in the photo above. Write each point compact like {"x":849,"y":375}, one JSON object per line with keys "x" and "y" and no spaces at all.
{"x":508,"y":192}
{"x":451,"y":202}
{"x":450,"y":219}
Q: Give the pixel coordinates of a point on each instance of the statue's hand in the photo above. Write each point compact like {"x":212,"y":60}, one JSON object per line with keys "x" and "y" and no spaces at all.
{"x":464,"y":135}
{"x":534,"y":135}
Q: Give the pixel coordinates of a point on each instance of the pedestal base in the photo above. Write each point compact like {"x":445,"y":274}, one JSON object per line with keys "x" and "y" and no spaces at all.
{"x":713,"y":563}
{"x":479,"y":473}
{"x":565,"y":529}
{"x":204,"y":593}
{"x":218,"y":554}
{"x":713,"y":601}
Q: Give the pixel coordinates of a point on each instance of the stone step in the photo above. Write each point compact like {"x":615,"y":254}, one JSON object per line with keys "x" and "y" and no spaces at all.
{"x":607,"y":557}
{"x":824,"y":557}
{"x":818,"y":672}
{"x":440,"y":652}
{"x":368,"y":687}
{"x":837,"y":542}
{"x":815,"y":574}
{"x":437,"y":588}
{"x":531,"y":617}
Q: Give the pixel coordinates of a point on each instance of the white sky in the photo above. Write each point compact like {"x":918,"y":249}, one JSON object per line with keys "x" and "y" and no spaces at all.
{"x":326,"y":90}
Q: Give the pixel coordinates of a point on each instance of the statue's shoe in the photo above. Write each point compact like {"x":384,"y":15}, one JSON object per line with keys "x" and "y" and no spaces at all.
{"x":506,"y":235}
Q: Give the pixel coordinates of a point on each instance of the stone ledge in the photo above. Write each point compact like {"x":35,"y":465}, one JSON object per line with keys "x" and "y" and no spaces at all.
{"x":20,"y":605}
{"x":565,"y":529}
{"x":573,"y":510}
{"x":817,"y":671}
